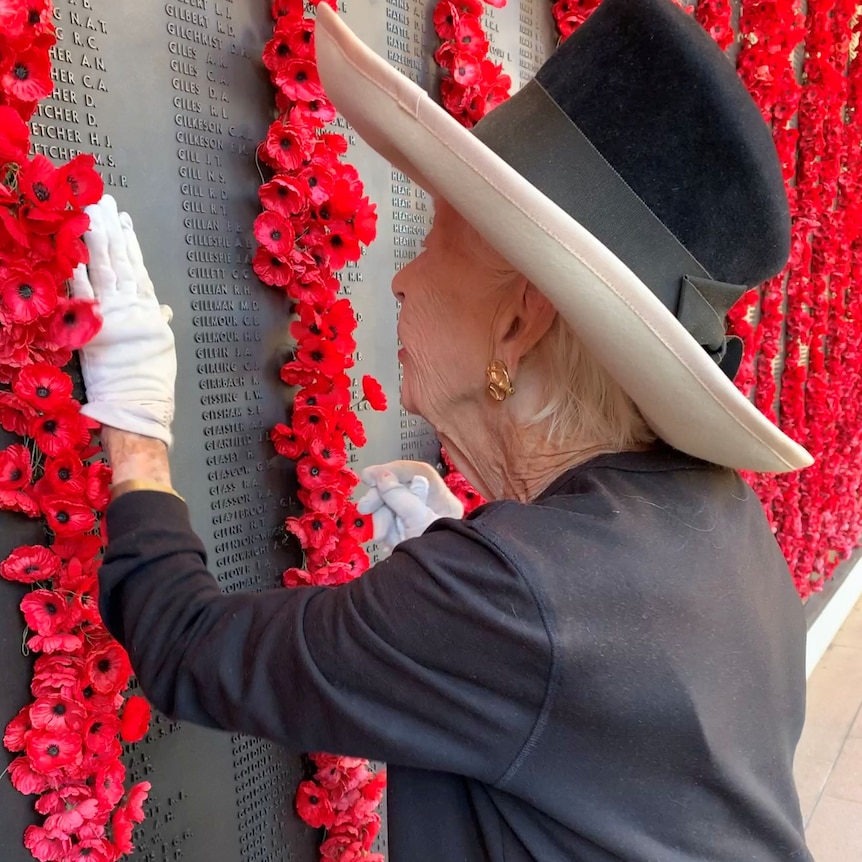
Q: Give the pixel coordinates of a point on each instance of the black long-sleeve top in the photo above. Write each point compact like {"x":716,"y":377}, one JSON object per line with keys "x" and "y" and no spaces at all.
{"x":612,"y":672}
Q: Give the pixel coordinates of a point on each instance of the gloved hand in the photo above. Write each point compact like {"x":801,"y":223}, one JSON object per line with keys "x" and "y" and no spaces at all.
{"x":130,"y":367}
{"x":404,"y":499}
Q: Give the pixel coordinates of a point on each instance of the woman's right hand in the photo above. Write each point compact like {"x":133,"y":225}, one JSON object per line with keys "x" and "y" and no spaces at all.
{"x":404,"y":499}
{"x":130,"y":366}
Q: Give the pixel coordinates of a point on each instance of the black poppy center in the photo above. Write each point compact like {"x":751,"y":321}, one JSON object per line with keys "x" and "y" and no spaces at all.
{"x":316,"y":524}
{"x":275,"y":261}
{"x":16,"y":475}
{"x":286,"y":143}
{"x":301,"y":76}
{"x":359,"y":523}
{"x":25,"y":291}
{"x":88,"y":692}
{"x":312,"y":181}
{"x":315,"y":471}
{"x":65,"y":474}
{"x":326,"y":495}
{"x":21,"y":72}
{"x":63,"y":517}
{"x":314,"y":799}
{"x":336,"y":240}
{"x":314,"y":106}
{"x":41,"y":191}
{"x":50,"y":426}
{"x":314,"y":419}
{"x":53,"y":750}
{"x":104,"y":665}
{"x":275,"y":235}
{"x":59,"y":709}
{"x":306,"y":36}
{"x":97,"y":726}
{"x":316,"y":355}
{"x":50,"y":608}
{"x":282,"y":50}
{"x":69,"y":318}
{"x":33,"y":17}
{"x":43,"y":391}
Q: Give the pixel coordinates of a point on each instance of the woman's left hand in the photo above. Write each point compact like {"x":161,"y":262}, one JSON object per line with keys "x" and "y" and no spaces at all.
{"x":404,"y":499}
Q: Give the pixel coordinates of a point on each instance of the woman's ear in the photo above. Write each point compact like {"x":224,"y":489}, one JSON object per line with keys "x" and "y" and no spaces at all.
{"x":530,"y":316}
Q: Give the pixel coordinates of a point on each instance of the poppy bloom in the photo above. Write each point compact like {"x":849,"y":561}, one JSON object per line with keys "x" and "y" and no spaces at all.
{"x":358,"y":527}
{"x":56,"y":713}
{"x":100,"y":732}
{"x":321,"y":182}
{"x":446,"y":16}
{"x":25,"y":780}
{"x":98,"y":485}
{"x":108,"y":668}
{"x":329,"y":453}
{"x":294,"y":577}
{"x":283,"y":195}
{"x":64,"y":476}
{"x":298,"y":79}
{"x":274,"y":233}
{"x":286,"y":442}
{"x":322,"y":356}
{"x":26,"y":294}
{"x":15,"y":737}
{"x":373,"y":393}
{"x":56,"y":675}
{"x":14,"y":136}
{"x":285,"y":146}
{"x":135,"y":719}
{"x":94,"y":849}
{"x":44,"y":387}
{"x":314,"y":531}
{"x":122,"y":827}
{"x":137,"y":797}
{"x":61,"y":642}
{"x":309,"y":422}
{"x":277,"y":53}
{"x":328,"y":500}
{"x":51,"y":750}
{"x":470,"y":37}
{"x":314,"y":806}
{"x":351,"y":425}
{"x":15,"y":469}
{"x":44,"y":846}
{"x":107,"y":783}
{"x":66,"y":518}
{"x":74,"y":323}
{"x":28,"y":76}
{"x":45,"y":188}
{"x":300,"y":37}
{"x":312,"y":474}
{"x":61,"y":431}
{"x":44,"y":611}
{"x":85,"y":185}
{"x":364,"y":221}
{"x":272,"y":269}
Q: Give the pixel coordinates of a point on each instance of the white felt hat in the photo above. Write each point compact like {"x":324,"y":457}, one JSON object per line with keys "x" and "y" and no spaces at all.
{"x":678,"y":385}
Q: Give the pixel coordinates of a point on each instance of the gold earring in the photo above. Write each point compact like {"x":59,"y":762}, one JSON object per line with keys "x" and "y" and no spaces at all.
{"x":499,"y":383}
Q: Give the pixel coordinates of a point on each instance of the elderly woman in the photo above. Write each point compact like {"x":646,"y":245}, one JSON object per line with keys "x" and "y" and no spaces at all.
{"x":606,"y":662}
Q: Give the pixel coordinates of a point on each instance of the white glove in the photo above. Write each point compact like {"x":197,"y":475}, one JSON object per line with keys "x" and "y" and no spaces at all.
{"x":404,"y":499}
{"x":130,"y":367}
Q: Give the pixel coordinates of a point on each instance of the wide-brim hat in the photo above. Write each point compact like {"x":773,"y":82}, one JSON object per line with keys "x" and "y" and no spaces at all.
{"x":633,"y":181}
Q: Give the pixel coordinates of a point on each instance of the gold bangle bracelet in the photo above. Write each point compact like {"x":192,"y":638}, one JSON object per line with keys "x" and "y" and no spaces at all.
{"x":141,"y":485}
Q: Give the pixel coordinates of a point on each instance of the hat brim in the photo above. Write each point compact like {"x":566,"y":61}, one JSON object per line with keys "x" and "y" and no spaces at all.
{"x":682,"y":393}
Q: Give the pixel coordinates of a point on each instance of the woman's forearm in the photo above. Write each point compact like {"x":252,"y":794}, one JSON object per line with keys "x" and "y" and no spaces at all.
{"x":132,"y":456}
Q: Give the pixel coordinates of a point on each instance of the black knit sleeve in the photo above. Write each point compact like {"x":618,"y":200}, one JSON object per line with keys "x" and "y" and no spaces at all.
{"x":435,"y":658}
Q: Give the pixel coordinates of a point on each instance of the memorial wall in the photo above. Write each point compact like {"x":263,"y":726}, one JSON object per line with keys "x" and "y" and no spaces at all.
{"x":172,"y":99}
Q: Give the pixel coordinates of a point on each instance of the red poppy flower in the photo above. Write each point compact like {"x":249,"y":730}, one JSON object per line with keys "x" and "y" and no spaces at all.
{"x":274,"y":233}
{"x":332,"y":575}
{"x":91,"y":850}
{"x":16,"y":416}
{"x":100,"y":732}
{"x":312,"y":474}
{"x":466,"y":71}
{"x":64,"y":477}
{"x":107,"y":782}
{"x":328,"y":500}
{"x":98,"y":485}
{"x":61,"y":431}
{"x":45,"y":847}
{"x":470,"y":37}
{"x":135,"y":719}
{"x":283,"y":195}
{"x":85,"y":185}
{"x":296,"y":578}
{"x":44,"y":387}
{"x":271,"y":269}
{"x":285,"y":146}
{"x":314,"y":806}
{"x":56,"y":675}
{"x":45,"y":188}
{"x":25,"y":780}
{"x":15,"y":469}
{"x":446,"y":16}
{"x":298,"y":79}
{"x":14,"y":136}
{"x":38,"y":19}
{"x":67,"y":518}
{"x":56,"y":713}
{"x":317,"y":112}
{"x":364,"y":221}
{"x":28,"y":76}
{"x":108,"y":668}
{"x":314,"y":531}
{"x":276,"y":52}
{"x":310,"y":422}
{"x":330,"y":453}
{"x":301,"y":38}
{"x":44,"y":611}
{"x":350,"y":424}
{"x":13,"y":19}
{"x":50,"y":751}
{"x":15,"y":737}
{"x":74,"y":323}
{"x":137,"y":797}
{"x":62,"y":642}
{"x":373,"y":392}
{"x":26,"y":294}
{"x":286,"y":442}
{"x":321,"y":183}
{"x":122,"y":828}
{"x":79,"y":547}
